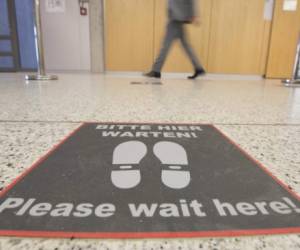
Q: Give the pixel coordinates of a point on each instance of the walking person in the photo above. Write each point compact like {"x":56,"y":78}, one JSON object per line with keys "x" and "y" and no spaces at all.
{"x":180,"y":12}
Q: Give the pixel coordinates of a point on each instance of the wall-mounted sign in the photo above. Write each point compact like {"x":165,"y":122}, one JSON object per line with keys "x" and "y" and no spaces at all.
{"x":290,"y":5}
{"x":55,"y":6}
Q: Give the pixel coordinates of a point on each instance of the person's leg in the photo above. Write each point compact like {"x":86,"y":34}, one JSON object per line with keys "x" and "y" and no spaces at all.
{"x":170,"y":36}
{"x":192,"y":56}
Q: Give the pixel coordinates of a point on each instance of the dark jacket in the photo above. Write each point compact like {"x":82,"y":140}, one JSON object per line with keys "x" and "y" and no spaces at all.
{"x":181,"y":10}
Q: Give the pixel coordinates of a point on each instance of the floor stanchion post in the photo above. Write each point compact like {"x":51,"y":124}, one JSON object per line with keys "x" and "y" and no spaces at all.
{"x":41,"y":75}
{"x":295,"y":80}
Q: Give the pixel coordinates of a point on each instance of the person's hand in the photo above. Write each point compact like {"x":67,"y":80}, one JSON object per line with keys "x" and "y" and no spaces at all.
{"x":196,"y":21}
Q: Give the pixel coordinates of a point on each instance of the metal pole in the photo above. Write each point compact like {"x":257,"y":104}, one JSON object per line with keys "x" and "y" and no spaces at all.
{"x":294,"y":80}
{"x":39,"y":47}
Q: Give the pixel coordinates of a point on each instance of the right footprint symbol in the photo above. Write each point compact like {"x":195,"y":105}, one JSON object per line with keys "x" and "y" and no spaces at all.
{"x":175,"y":157}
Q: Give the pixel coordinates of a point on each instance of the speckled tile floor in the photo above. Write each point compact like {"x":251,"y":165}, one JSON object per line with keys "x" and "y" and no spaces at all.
{"x":263,"y":117}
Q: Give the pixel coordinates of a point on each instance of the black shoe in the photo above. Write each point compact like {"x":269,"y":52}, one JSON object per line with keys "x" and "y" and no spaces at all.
{"x":198,"y":72}
{"x":152,"y":74}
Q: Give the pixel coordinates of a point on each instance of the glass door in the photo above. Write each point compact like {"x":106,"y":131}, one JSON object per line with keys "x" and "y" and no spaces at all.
{"x":9,"y":56}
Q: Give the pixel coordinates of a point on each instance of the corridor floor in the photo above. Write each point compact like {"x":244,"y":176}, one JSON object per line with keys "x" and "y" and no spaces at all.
{"x":262,"y":116}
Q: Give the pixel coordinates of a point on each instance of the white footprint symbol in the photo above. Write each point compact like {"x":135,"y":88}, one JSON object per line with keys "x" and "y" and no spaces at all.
{"x":124,"y":156}
{"x":175,"y":156}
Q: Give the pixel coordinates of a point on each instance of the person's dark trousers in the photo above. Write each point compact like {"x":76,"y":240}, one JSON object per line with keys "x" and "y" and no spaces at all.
{"x":175,"y":30}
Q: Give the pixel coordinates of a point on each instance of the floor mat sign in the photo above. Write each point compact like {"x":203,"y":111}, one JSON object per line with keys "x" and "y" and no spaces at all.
{"x":147,"y":180}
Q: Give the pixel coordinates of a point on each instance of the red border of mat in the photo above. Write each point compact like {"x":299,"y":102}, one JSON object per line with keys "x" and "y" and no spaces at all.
{"x":137,"y":235}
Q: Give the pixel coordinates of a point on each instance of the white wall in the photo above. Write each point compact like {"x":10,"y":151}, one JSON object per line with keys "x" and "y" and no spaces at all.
{"x":66,"y":38}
